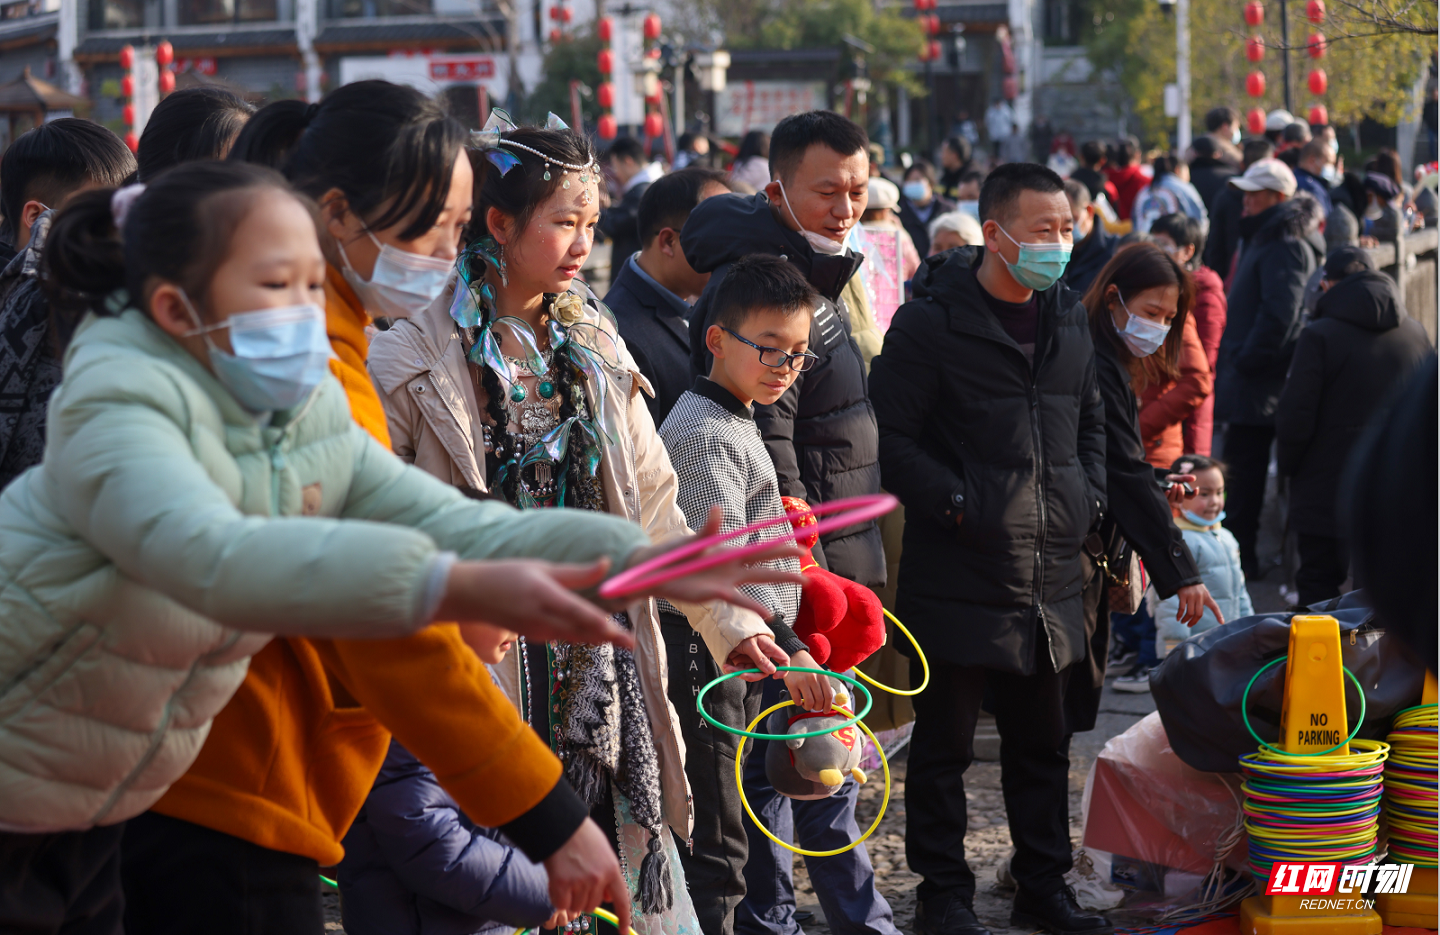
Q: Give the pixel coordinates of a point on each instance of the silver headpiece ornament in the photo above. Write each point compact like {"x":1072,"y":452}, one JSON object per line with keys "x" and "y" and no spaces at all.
{"x":490,"y":138}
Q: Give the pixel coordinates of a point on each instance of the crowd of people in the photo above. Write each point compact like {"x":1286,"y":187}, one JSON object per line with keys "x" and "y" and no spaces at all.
{"x":289,"y":389}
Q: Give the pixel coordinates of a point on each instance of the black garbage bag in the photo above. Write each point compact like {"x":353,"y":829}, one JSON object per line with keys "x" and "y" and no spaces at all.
{"x":1198,"y":687}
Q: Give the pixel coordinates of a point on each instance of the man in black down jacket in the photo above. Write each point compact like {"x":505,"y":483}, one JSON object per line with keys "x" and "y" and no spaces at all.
{"x":1225,"y":212}
{"x":1361,"y":344}
{"x":1094,"y":245}
{"x":992,"y":433}
{"x":1282,"y":247}
{"x":821,"y":434}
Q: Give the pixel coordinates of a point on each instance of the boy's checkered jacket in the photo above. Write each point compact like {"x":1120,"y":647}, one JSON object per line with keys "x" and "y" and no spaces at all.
{"x":719,"y":457}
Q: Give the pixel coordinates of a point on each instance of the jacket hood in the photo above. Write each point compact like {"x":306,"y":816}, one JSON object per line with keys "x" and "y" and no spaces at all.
{"x":723,"y":229}
{"x":1297,"y":218}
{"x":1366,"y":299}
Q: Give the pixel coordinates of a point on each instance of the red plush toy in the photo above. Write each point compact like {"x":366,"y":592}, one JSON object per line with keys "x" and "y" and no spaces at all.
{"x":839,"y":620}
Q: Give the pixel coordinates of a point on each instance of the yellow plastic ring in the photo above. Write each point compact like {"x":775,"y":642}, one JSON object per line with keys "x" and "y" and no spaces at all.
{"x":740,"y":785}
{"x":924,"y":663}
{"x":599,"y":913}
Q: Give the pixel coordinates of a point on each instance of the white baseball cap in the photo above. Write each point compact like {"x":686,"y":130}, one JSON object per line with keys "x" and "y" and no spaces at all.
{"x":883,"y":194}
{"x":1278,"y":119}
{"x":1266,"y":175}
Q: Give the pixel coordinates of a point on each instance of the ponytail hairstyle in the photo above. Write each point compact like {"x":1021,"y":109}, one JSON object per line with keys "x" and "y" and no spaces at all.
{"x":518,"y":193}
{"x":191,"y":124}
{"x":390,"y":149}
{"x":177,"y":230}
{"x":1134,"y":269}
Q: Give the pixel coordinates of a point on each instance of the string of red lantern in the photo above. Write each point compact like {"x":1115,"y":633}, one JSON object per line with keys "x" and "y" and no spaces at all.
{"x":165,"y":82}
{"x":1254,"y":52}
{"x":654,"y":122}
{"x":929,"y":23}
{"x":1317,"y":80}
{"x":605,"y":93}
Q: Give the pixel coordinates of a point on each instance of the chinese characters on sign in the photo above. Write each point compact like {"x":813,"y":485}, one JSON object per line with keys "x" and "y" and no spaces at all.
{"x":759,"y":105}
{"x":1357,"y":881}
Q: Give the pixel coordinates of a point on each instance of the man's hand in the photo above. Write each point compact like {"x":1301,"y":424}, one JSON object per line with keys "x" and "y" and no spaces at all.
{"x":757,"y":652}
{"x":535,"y":599}
{"x":1194,"y":599}
{"x":810,"y":691}
{"x":1176,"y":494}
{"x":559,"y":919}
{"x":585,"y":873}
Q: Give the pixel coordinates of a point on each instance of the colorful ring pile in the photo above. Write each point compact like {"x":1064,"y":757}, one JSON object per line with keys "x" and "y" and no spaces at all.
{"x":1309,"y":809}
{"x":1410,"y":779}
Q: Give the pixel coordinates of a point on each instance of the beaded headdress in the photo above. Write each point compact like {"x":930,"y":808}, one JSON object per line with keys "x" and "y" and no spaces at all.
{"x":490,"y":139}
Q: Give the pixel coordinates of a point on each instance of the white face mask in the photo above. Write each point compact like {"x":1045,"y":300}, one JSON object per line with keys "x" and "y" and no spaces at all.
{"x":819,"y":242}
{"x":1235,"y":136}
{"x":1328,"y":173}
{"x":402,"y":284}
{"x":1143,"y":336}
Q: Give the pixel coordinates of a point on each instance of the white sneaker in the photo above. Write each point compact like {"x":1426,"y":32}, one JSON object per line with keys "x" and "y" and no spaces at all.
{"x":1137,"y":680}
{"x":1091,"y":890}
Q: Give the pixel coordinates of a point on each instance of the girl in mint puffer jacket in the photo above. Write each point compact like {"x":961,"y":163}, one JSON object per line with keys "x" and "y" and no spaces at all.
{"x":203,"y":487}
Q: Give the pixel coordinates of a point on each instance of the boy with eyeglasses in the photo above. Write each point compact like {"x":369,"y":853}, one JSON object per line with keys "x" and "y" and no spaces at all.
{"x":759,"y":338}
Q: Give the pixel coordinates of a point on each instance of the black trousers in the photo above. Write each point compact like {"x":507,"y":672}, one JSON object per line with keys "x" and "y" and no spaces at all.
{"x":182,"y":878}
{"x":1324,"y":566}
{"x":1034,"y":774}
{"x":61,"y":884}
{"x":715,"y":868}
{"x":1247,"y":455}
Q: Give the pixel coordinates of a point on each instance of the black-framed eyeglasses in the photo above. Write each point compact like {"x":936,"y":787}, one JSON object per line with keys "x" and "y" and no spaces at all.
{"x":774,"y":357}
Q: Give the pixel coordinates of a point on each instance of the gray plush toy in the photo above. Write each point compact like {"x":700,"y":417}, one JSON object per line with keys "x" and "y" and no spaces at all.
{"x":812,"y":767}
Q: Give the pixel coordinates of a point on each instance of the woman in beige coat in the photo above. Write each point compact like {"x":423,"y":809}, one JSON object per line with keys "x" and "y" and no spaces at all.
{"x":517,"y":383}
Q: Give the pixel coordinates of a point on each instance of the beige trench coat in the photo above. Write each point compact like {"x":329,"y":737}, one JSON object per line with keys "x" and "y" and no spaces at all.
{"x":433,"y":408}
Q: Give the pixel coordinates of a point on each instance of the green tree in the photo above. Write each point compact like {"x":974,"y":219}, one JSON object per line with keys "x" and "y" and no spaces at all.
{"x":574,"y":58}
{"x":1370,"y":75}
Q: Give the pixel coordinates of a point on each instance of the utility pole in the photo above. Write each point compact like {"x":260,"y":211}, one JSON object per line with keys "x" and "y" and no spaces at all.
{"x":1182,"y":72}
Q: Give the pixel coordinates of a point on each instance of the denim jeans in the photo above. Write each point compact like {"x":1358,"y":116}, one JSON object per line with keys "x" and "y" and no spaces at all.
{"x":1137,"y":632}
{"x":844,"y":884}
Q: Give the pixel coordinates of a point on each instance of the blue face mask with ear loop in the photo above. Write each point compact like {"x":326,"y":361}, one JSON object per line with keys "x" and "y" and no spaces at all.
{"x":1143,"y":336}
{"x":1038,"y":265}
{"x":1202,"y":521}
{"x":279,"y":355}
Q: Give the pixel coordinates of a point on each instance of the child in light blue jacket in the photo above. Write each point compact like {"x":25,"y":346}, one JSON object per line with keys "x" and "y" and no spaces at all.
{"x":1215,"y":550}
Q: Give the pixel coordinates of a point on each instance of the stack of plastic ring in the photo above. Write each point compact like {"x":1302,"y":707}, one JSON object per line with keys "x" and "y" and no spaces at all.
{"x":1321,"y":807}
{"x":598,"y":913}
{"x":1410,"y":786}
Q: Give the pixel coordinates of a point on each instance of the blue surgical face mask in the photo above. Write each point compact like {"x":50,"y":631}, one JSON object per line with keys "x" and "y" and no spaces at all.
{"x":1235,"y":136}
{"x":402,"y":284}
{"x":278,"y":355}
{"x":818,"y":242}
{"x":1038,"y":265}
{"x":1143,"y":336}
{"x":915,"y":191}
{"x":1202,"y":521}
{"x":1328,"y":173}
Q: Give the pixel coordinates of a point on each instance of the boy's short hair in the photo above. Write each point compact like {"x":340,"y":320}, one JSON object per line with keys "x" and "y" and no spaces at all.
{"x":1194,"y":464}
{"x":1091,"y":152}
{"x":48,"y":163}
{"x":794,"y":135}
{"x":1078,"y":194}
{"x":1004,"y":184}
{"x":628,"y":147}
{"x":762,"y":282}
{"x":670,"y":199}
{"x":1217,"y":117}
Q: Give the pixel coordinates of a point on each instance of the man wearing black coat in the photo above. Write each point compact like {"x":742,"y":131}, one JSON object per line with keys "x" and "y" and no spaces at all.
{"x":992,"y":433}
{"x":1224,"y":235}
{"x":1282,"y":247}
{"x":821,"y":434}
{"x":619,"y":223}
{"x":1361,"y":344}
{"x":1208,"y":171}
{"x":651,"y":290}
{"x":1094,"y":245}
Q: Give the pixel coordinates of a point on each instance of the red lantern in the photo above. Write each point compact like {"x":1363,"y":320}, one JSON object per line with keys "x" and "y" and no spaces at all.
{"x":127,"y":57}
{"x":1318,"y":82}
{"x":653,"y":53}
{"x":1254,"y":13}
{"x":1256,"y":121}
{"x":555,"y":35}
{"x":555,"y":12}
{"x":605,"y":95}
{"x":164,"y":53}
{"x":167,"y":81}
{"x":606,"y":61}
{"x":1009,"y":87}
{"x":1255,"y":84}
{"x":1317,"y":45}
{"x":1315,"y":11}
{"x":933,"y":25}
{"x":652,"y":29}
{"x":606,"y":127}
{"x":654,"y":124}
{"x":132,"y":141}
{"x":1319,"y":116}
{"x":1254,"y":48}
{"x":934,"y":50}
{"x":127,"y":114}
{"x":566,"y":14}
{"x":127,"y":86}
{"x":605,"y":28}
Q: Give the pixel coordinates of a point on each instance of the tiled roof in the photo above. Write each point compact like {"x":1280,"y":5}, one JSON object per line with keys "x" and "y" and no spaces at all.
{"x":342,"y":34}
{"x":27,"y":30}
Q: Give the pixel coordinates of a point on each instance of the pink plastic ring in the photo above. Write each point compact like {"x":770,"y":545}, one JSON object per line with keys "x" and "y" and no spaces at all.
{"x":647,"y":576}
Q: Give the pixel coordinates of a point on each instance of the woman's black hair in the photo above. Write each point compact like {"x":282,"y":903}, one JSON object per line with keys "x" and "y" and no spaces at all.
{"x":390,"y":149}
{"x":1164,"y":165}
{"x":518,"y":193}
{"x":191,"y":124}
{"x":178,"y":230}
{"x":1184,"y":230}
{"x":1132,"y":270}
{"x":49,"y":162}
{"x":755,"y":143}
{"x":1194,"y":464}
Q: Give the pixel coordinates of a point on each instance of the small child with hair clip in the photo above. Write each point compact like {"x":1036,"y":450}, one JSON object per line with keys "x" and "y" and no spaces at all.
{"x":1215,"y":550}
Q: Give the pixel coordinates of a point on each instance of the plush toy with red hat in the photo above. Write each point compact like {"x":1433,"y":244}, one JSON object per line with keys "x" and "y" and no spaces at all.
{"x":840,"y":621}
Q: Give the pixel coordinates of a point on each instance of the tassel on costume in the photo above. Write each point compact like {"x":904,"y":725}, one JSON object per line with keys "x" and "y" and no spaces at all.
{"x":657,"y":891}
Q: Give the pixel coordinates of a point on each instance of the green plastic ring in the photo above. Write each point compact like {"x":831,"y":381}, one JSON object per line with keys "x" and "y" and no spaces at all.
{"x":755,"y":735}
{"x":1245,"y":700}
